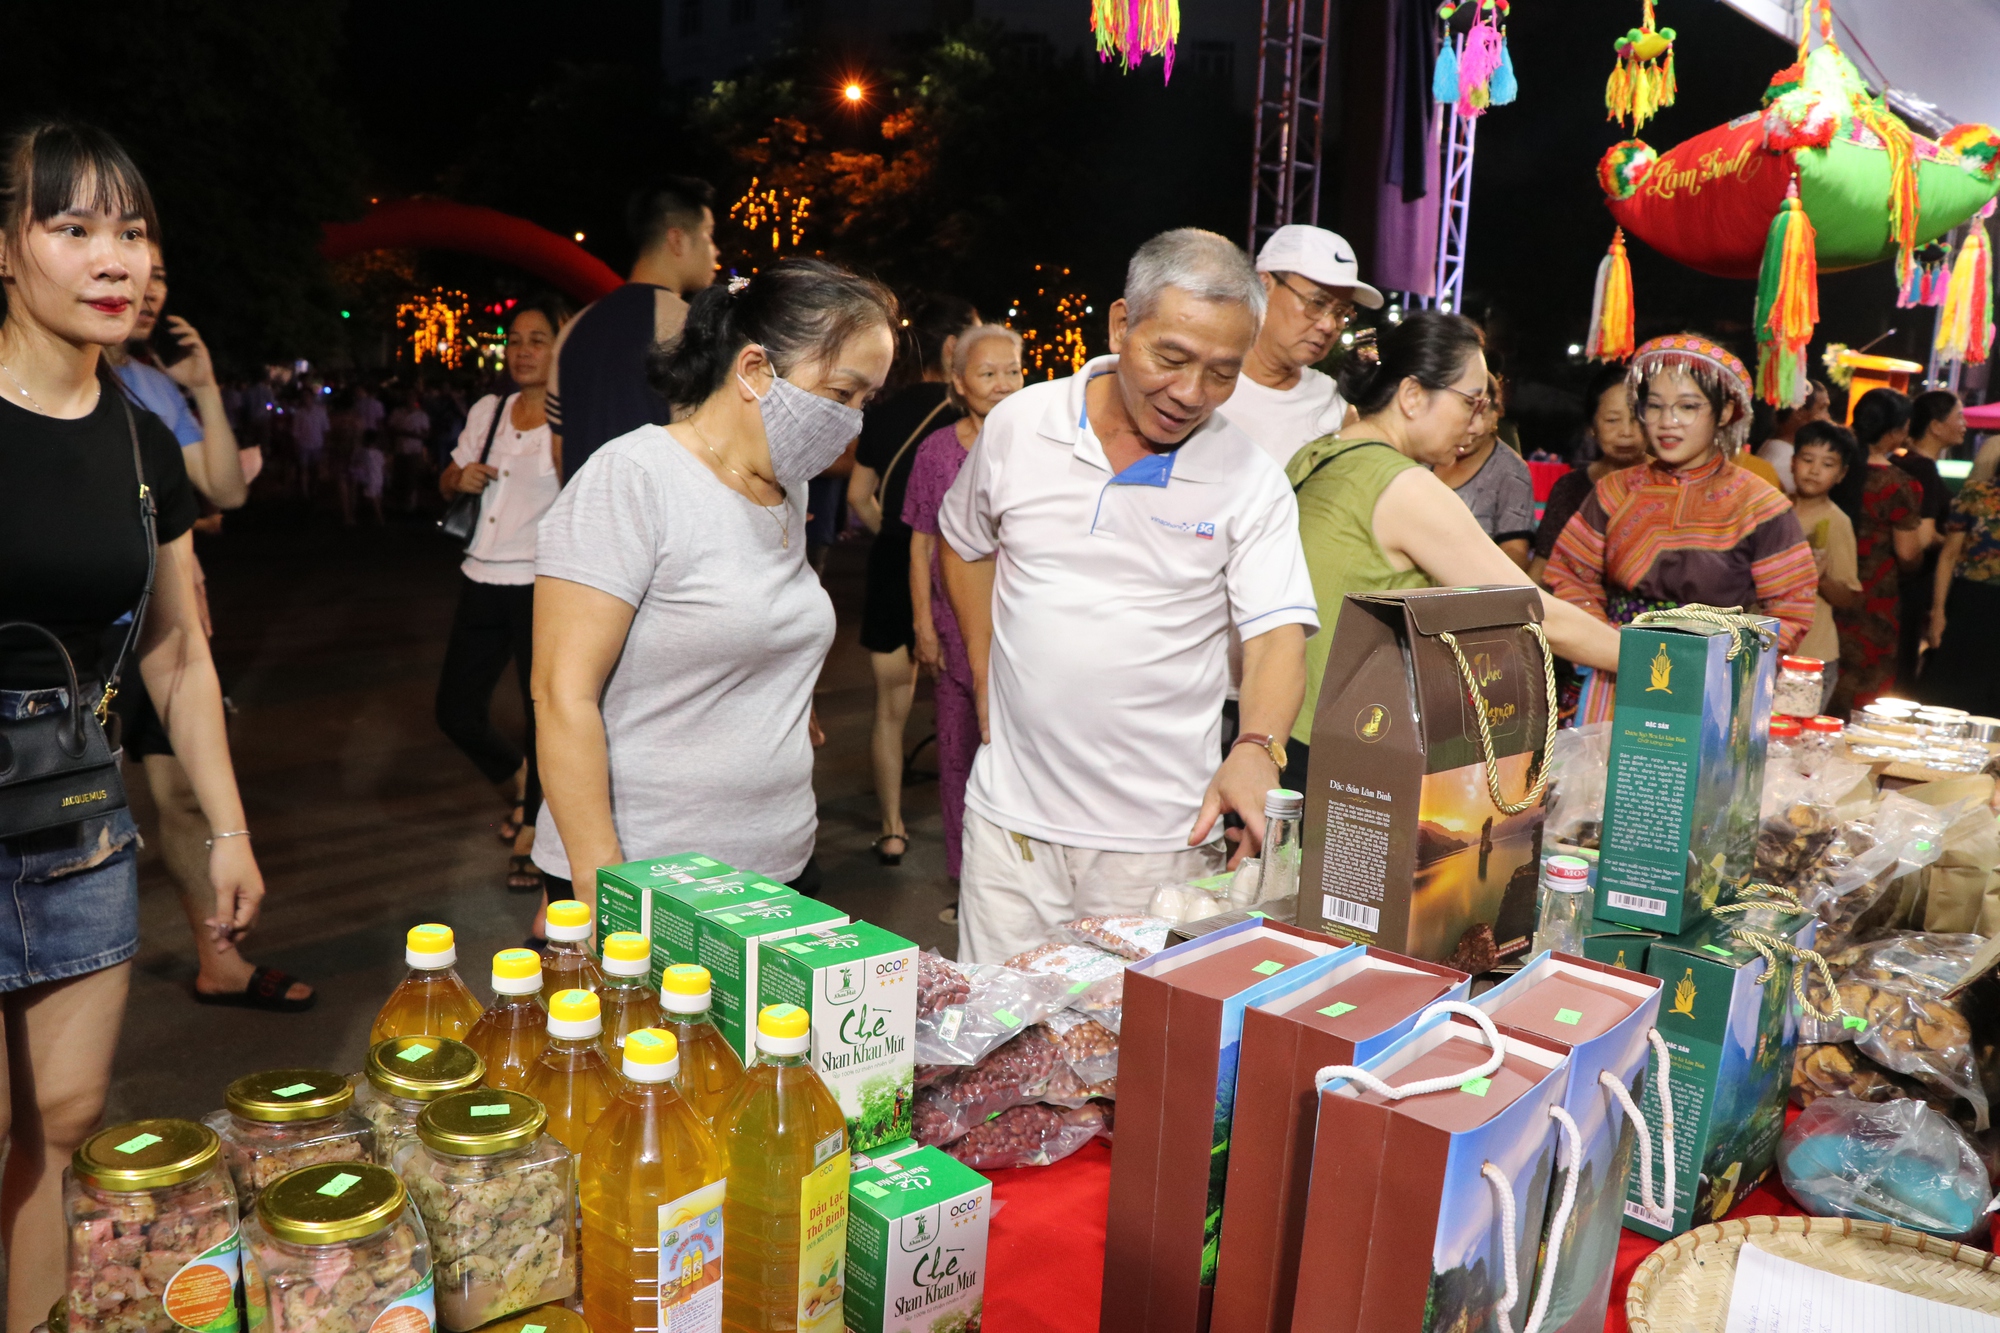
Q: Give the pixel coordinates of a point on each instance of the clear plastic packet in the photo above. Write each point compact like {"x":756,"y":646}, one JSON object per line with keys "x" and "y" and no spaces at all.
{"x":1836,"y":1069}
{"x":1031,"y":1135}
{"x":1578,"y":764}
{"x":1894,"y":992}
{"x":1800,"y":816}
{"x":1133,"y":937}
{"x":965,"y":1010}
{"x":1088,"y":1047}
{"x":1067,"y":1088}
{"x":1848,"y":887}
{"x":1176,"y":903}
{"x":1093,"y":978}
{"x":1018,"y":1072}
{"x":1899,"y":1162}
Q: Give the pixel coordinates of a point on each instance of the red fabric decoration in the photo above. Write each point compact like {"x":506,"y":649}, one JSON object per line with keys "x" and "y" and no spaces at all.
{"x":438,"y":224}
{"x":1708,"y":202}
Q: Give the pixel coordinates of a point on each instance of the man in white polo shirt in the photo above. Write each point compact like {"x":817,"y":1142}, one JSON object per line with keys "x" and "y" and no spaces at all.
{"x":1102,"y":538}
{"x":1312,"y":284}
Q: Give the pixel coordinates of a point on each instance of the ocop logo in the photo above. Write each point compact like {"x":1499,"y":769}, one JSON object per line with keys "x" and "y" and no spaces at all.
{"x":964,"y":1208}
{"x":891,"y":967}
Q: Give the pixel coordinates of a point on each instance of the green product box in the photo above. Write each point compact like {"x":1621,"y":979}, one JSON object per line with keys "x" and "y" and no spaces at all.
{"x":916,"y":1244}
{"x":624,"y":893}
{"x":1686,"y":773}
{"x":1618,"y":946}
{"x":859,"y":983}
{"x":725,"y":942}
{"x":1730,"y":1032}
{"x":664,"y":909}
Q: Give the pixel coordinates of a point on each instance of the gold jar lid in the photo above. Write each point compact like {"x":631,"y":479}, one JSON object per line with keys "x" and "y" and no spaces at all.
{"x":422,"y":1069}
{"x":331,"y":1203}
{"x":59,"y":1315}
{"x":482,"y":1122}
{"x":550,"y":1318}
{"x":146,"y":1155}
{"x":282,"y":1096}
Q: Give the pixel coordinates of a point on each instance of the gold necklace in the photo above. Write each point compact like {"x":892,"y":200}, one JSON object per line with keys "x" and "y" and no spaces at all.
{"x":784,"y":524}
{"x":22,"y":389}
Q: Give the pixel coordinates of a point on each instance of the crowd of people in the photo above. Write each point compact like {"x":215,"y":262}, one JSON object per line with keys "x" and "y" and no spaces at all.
{"x":1122,"y":583}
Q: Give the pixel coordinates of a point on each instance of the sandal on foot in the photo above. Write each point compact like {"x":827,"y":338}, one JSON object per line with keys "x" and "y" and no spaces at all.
{"x":510,"y":827}
{"x":268,"y":990}
{"x":887,"y":857}
{"x":523,"y":875}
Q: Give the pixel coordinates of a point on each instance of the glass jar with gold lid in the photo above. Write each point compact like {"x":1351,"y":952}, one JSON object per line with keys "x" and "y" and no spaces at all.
{"x":333,"y":1247}
{"x":153,"y":1238}
{"x":498,"y":1196}
{"x":280,"y":1120}
{"x":402,"y":1077}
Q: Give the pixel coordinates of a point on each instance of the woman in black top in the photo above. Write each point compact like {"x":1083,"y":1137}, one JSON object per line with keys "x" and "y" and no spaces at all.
{"x":888,"y":445}
{"x":74,"y":220}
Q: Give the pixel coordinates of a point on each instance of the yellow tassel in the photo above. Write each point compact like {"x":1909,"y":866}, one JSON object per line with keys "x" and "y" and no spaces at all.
{"x":1787,"y":303}
{"x":1611,"y":324}
{"x":1965,"y":321}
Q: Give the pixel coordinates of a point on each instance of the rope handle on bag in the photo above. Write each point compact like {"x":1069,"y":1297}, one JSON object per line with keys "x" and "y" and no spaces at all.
{"x":1541,"y":782}
{"x":1731,"y":618}
{"x":1663,"y":1082}
{"x":1504,"y":1195}
{"x":1773,"y":947}
{"x":1356,"y":1074}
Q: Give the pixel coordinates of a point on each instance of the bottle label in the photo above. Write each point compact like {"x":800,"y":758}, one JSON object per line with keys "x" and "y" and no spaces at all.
{"x":415,"y":1311}
{"x":202,"y":1296}
{"x":691,"y":1261}
{"x":823,"y":1245}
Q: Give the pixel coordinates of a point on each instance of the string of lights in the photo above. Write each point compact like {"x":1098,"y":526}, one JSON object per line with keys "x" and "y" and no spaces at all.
{"x":774,"y":208}
{"x":1051,"y":325}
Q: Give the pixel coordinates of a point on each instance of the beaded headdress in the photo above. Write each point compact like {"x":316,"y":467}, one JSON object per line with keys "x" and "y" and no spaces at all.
{"x":1707,"y":363}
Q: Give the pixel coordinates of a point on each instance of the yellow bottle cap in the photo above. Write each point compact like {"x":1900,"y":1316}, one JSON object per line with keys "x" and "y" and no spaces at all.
{"x":684,"y":989}
{"x":651,"y":1056}
{"x":575,"y":1015}
{"x":430,"y":946}
{"x":784,"y":1029}
{"x":568,"y":921}
{"x":517,"y":972}
{"x":627,"y":954}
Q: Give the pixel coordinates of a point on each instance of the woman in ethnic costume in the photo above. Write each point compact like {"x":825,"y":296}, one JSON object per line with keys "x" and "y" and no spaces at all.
{"x":1688,"y":525}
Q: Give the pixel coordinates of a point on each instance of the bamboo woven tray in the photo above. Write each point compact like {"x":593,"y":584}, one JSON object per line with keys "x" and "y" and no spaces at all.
{"x":1684,"y":1286}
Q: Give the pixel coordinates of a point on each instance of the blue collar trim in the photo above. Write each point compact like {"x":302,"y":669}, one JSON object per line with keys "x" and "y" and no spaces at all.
{"x":1152,"y":470}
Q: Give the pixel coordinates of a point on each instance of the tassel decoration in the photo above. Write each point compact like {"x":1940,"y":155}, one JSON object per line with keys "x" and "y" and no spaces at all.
{"x":1643,"y":80}
{"x":1928,"y":277}
{"x":1505,"y":87}
{"x":1611,"y":313}
{"x":1965,"y":323}
{"x":1477,"y":63}
{"x":1787,"y":304}
{"x":1444,"y":79}
{"x":1130,"y":30}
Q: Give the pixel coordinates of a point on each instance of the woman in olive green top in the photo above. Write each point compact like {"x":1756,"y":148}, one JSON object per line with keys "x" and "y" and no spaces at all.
{"x":1373,"y":518}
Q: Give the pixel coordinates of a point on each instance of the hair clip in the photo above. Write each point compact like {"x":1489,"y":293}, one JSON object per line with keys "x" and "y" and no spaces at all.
{"x":737,"y":284}
{"x":1366,"y":348}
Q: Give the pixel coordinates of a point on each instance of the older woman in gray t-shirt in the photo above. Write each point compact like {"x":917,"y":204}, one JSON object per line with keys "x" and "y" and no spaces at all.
{"x":678,"y":628}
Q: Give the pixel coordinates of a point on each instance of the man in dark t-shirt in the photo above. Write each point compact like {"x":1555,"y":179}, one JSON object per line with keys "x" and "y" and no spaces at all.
{"x":1937,"y":423}
{"x":597,"y":388}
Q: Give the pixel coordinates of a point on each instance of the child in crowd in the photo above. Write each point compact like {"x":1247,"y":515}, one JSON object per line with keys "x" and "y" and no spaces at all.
{"x":371,"y":473}
{"x":1823,"y":454}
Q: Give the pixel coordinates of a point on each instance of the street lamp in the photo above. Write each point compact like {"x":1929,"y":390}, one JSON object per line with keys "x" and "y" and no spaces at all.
{"x":853,"y":92}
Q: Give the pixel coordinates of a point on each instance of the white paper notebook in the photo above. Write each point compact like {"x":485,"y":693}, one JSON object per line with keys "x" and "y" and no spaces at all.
{"x":1775,"y":1295}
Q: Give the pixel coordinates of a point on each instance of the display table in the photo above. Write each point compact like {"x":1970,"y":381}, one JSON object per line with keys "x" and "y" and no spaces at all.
{"x":1046,"y":1252}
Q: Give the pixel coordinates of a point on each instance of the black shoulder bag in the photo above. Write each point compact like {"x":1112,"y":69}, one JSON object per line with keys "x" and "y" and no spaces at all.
{"x":59,"y":767}
{"x":461,"y":516}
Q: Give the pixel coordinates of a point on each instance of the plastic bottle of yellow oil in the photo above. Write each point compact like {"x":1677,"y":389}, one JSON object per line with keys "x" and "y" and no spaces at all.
{"x":784,"y":1211}
{"x":431,"y":1001}
{"x":710,"y":1067}
{"x":629,"y":1003}
{"x":511,"y":1035}
{"x":652,"y":1202}
{"x":572,"y":1078}
{"x":567,"y":965}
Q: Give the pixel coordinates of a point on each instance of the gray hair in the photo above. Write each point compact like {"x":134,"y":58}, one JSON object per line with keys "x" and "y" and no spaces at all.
{"x":961,"y":351}
{"x":1206,"y":266}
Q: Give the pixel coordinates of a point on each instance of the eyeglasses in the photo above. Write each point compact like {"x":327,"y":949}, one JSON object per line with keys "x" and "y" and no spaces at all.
{"x":1687,"y":410}
{"x":1318,"y":305}
{"x":1478,"y":402}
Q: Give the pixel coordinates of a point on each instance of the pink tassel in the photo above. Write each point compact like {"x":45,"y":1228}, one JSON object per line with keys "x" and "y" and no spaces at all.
{"x":1476,"y":66}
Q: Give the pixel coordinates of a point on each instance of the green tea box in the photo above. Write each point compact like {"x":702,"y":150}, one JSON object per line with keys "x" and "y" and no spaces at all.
{"x":1730,"y":1031}
{"x":1686,"y":772}
{"x":1617,"y":946}
{"x":725,"y":942}
{"x":916,"y":1244}
{"x":859,"y":983}
{"x":625,"y":893}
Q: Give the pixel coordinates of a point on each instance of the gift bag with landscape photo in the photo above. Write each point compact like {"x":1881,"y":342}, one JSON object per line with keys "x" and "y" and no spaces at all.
{"x":1424,"y":794}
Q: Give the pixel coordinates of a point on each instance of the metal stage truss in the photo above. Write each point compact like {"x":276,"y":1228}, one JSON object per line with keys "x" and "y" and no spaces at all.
{"x":1455,"y":213}
{"x":1290,"y":133}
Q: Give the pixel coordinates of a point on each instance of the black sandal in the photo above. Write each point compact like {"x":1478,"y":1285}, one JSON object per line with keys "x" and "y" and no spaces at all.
{"x":266,"y":991}
{"x":523,"y":875}
{"x":510,"y":827}
{"x":890,"y":858}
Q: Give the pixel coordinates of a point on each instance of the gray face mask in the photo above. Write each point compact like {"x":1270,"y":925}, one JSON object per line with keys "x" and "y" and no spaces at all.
{"x":806,"y":432}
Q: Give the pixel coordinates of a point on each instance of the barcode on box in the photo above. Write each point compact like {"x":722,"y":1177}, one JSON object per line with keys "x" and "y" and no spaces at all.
{"x":1349,"y":914}
{"x":1632,"y":902}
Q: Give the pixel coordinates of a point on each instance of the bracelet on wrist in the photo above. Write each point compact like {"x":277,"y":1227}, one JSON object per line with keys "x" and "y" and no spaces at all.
{"x":214,"y":838}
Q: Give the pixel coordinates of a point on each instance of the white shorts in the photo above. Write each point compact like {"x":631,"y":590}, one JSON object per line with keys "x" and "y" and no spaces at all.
{"x":1013,"y":890}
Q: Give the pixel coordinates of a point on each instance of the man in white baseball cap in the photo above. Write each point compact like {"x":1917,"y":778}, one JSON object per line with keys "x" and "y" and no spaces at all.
{"x":1313,"y":286}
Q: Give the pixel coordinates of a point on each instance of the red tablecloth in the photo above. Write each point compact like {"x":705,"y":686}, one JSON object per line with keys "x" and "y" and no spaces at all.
{"x":1045,"y":1260}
